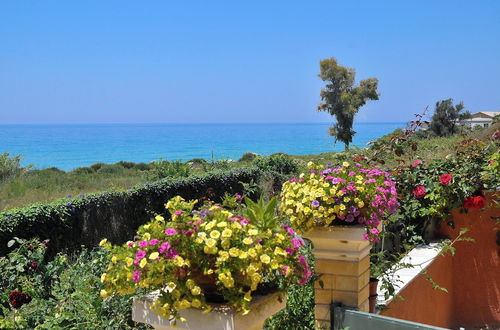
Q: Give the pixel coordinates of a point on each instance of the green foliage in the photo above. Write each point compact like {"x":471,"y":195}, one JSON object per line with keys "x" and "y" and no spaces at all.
{"x":341,"y":99}
{"x":446,"y":116}
{"x":279,"y":163}
{"x":165,"y":169}
{"x":248,"y":157}
{"x":85,"y":220}
{"x":10,"y":167}
{"x":65,"y":291}
{"x":262,"y":214}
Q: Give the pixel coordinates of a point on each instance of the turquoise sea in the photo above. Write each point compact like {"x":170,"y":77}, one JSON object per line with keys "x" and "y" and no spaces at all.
{"x":71,"y":146}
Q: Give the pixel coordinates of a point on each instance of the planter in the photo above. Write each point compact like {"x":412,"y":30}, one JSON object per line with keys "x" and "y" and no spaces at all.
{"x":343,"y":261}
{"x":221,"y":317}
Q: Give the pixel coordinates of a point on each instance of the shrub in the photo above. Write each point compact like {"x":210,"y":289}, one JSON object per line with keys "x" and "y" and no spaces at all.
{"x":248,"y":157}
{"x":70,"y":223}
{"x":83,"y":170}
{"x":125,"y":164}
{"x":10,"y":167}
{"x":279,"y":163}
{"x":165,"y":169}
{"x":142,"y":167}
{"x":111,"y":169}
{"x":95,"y":167}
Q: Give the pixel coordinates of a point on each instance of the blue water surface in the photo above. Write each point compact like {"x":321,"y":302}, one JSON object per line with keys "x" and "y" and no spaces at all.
{"x":71,"y":146}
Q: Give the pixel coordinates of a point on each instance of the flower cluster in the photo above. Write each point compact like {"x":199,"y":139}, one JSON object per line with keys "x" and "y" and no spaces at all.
{"x":475,"y":202}
{"x":344,"y":194}
{"x":17,"y":298}
{"x":204,"y":253}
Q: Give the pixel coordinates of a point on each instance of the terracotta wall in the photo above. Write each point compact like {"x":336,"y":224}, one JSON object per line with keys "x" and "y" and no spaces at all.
{"x":472,"y":278}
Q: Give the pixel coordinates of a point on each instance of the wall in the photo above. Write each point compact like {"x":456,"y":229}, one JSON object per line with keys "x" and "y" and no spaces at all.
{"x":471,"y":276}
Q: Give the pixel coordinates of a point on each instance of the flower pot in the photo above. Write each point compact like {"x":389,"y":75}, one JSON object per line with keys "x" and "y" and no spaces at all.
{"x":373,"y":286}
{"x":221,"y":317}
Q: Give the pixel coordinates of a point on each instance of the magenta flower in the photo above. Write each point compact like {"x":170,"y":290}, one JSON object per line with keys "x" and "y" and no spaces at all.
{"x":284,"y":269}
{"x":297,"y":242}
{"x":178,"y":212}
{"x":188,"y":233}
{"x":244,"y":221}
{"x":366,"y":237}
{"x":170,"y":231}
{"x":140,"y":254}
{"x":289,"y":251}
{"x":238,"y":197}
{"x":172,"y":253}
{"x":164,"y":247}
{"x":374,"y":231}
{"x":154,"y":241}
{"x":351,"y":174}
{"x":143,"y":244}
{"x":136,"y":276}
{"x":416,"y":163}
{"x":131,"y":244}
{"x":293,"y":180}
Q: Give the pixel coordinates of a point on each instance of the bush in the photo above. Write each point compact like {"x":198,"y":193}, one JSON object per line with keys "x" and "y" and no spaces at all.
{"x":248,"y":156}
{"x":165,"y":169}
{"x":64,"y":291}
{"x":142,"y":167}
{"x":111,"y":169}
{"x":83,"y":170}
{"x":97,"y":166}
{"x":279,"y":163}
{"x":10,"y":167}
{"x":70,"y":223}
{"x":126,"y":164}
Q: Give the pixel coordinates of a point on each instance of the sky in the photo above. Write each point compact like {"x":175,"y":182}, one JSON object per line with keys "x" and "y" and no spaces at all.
{"x":239,"y":61}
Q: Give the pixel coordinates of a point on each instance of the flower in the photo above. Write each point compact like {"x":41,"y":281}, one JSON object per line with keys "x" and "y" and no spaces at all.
{"x":315,"y":203}
{"x":136,"y":276}
{"x":170,"y":231}
{"x":17,"y":299}
{"x":474,"y":202}
{"x":416,"y":163}
{"x":445,"y":179}
{"x":419,"y":192}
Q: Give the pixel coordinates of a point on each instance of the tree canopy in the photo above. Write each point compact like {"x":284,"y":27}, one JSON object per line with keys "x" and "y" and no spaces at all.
{"x":341,"y":99}
{"x":446,"y":117}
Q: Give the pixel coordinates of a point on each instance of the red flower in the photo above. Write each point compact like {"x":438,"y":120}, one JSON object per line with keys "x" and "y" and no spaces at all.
{"x":445,"y":179}
{"x":475,"y":202}
{"x":419,"y":192}
{"x":17,"y":298}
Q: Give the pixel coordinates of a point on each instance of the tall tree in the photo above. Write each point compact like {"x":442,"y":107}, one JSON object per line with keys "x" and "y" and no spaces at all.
{"x":341,"y":99}
{"x":446,"y":117}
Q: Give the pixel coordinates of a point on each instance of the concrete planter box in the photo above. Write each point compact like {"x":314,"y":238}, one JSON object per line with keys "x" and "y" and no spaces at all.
{"x":221,"y":317}
{"x":343,"y":261}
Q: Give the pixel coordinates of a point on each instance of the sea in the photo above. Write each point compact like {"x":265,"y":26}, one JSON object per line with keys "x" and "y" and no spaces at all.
{"x":70,"y":146}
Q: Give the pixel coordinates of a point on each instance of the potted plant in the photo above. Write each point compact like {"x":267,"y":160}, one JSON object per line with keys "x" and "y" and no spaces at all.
{"x":344,"y":195}
{"x":207,"y":255}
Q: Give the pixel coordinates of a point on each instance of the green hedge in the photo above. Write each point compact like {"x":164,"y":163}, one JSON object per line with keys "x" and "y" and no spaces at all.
{"x":72,"y":222}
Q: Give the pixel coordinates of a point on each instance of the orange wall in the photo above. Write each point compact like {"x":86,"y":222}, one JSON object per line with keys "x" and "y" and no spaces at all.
{"x":472,"y":278}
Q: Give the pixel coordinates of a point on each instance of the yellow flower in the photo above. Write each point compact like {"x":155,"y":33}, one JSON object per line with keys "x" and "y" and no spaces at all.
{"x":159,"y":218}
{"x":361,"y":204}
{"x":103,"y":277}
{"x":103,"y":242}
{"x":196,"y":291}
{"x":279,"y":251}
{"x":274,"y":264}
{"x":248,"y":296}
{"x":103,"y":293}
{"x":234,"y":252}
{"x":190,"y":284}
{"x":146,"y":236}
{"x":222,"y":224}
{"x":210,"y":250}
{"x":227,"y":232}
{"x":215,"y":234}
{"x":243,"y":255}
{"x":196,"y":303}
{"x":171,"y":286}
{"x":210,"y":242}
{"x":114,"y":259}
{"x":143,"y":263}
{"x":153,"y":255}
{"x":342,"y":207}
{"x":345,"y":164}
{"x":179,"y":261}
{"x":252,"y":253}
{"x":265,"y":258}
{"x":253,"y":232}
{"x":247,"y":240}
{"x":129,"y":261}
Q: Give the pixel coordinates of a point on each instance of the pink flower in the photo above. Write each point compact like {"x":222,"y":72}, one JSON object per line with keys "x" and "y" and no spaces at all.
{"x":293,"y":180}
{"x":178,"y":212}
{"x":297,"y":242}
{"x":289,"y":250}
{"x":284,"y":269}
{"x":131,"y":244}
{"x":416,"y":163}
{"x":244,"y":221}
{"x":136,"y":276}
{"x":154,"y":241}
{"x":238,"y":197}
{"x":140,"y":254}
{"x":143,"y":244}
{"x":351,"y":174}
{"x":188,"y":233}
{"x":419,"y":192}
{"x":164,"y":247}
{"x":374,"y":231}
{"x":170,"y":231}
{"x":366,"y":237}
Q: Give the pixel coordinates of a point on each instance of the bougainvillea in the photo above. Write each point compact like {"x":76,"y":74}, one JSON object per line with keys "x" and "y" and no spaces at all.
{"x":344,"y":194}
{"x":202,"y":253}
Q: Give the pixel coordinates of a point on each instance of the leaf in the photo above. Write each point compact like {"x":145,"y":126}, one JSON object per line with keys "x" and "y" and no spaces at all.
{"x":10,"y":243}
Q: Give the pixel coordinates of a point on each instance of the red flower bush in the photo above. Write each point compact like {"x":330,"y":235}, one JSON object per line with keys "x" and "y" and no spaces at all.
{"x":445,"y":179}
{"x":17,"y":298}
{"x":419,"y":192}
{"x":475,"y":202}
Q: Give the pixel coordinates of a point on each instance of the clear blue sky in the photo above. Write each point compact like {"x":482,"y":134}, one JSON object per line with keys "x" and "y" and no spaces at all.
{"x":232,"y":61}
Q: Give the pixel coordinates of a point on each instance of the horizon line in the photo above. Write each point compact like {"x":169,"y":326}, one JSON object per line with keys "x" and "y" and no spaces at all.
{"x":200,"y":123}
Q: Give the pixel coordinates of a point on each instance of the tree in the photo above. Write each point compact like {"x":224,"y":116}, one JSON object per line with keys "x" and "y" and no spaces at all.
{"x":446,"y":117}
{"x":341,"y":99}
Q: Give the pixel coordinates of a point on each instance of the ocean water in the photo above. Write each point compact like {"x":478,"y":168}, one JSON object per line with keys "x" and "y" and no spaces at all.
{"x":71,"y":146}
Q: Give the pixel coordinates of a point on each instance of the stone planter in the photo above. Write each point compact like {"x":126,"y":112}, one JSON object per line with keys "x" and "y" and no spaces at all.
{"x":221,"y":317}
{"x":343,"y":261}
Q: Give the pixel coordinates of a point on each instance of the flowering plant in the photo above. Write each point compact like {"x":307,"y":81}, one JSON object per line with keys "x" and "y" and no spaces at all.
{"x":341,"y":194}
{"x":201,"y":254}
